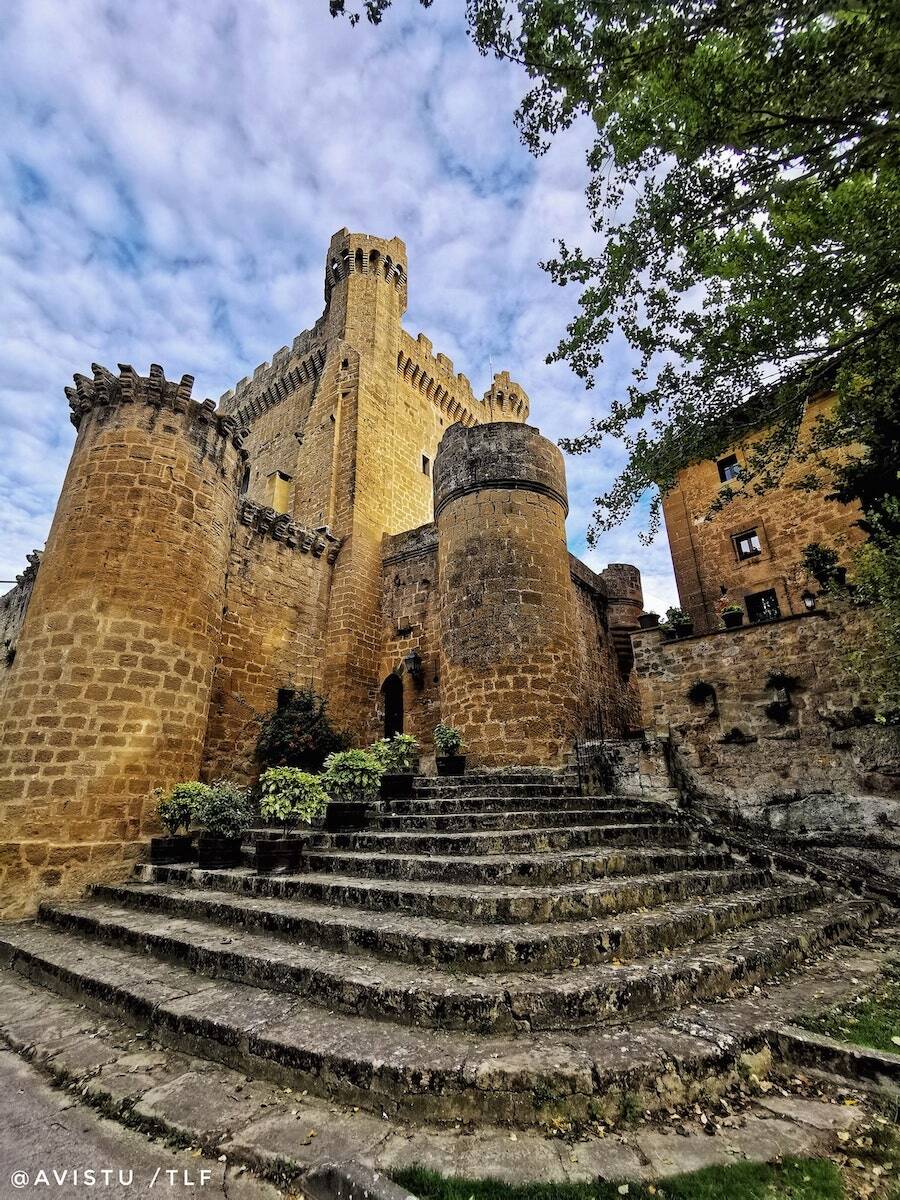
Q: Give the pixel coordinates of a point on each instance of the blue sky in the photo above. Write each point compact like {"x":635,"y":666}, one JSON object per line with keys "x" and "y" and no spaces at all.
{"x":171,"y":174}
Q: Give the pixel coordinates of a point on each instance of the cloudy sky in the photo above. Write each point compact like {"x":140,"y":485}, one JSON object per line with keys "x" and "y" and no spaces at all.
{"x":171,"y":173}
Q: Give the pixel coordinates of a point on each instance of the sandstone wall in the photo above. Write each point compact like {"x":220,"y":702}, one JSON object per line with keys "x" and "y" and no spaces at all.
{"x":279,"y":576}
{"x":13,"y":606}
{"x":508,"y":618}
{"x":704,"y":556}
{"x":410,"y":624}
{"x":609,"y":700}
{"x":109,"y":691}
{"x":800,"y":753}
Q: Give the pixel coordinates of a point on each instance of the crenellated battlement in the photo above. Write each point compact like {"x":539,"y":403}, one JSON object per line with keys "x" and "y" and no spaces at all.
{"x":433,"y":376}
{"x":106,"y":390}
{"x":361,"y":254}
{"x":280,"y":527}
{"x":272,"y":382}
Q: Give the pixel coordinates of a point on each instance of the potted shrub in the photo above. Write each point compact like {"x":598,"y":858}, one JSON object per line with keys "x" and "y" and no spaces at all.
{"x":648,"y":620}
{"x":290,"y":796}
{"x":399,"y":759}
{"x":732,"y":616}
{"x":352,"y":780}
{"x":679,"y":620}
{"x":224,"y":812}
{"x":448,"y":742}
{"x":176,"y":809}
{"x":299,"y":733}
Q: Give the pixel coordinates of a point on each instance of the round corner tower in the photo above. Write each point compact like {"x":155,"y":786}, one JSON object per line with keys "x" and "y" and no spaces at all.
{"x":109,"y":692}
{"x":507,"y":607}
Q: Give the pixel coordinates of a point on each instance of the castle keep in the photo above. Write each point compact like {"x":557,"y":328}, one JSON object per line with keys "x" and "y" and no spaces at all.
{"x":352,"y":518}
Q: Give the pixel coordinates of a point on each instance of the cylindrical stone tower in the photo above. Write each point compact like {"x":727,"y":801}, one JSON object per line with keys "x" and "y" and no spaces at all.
{"x":109,"y":690}
{"x":508,"y":619}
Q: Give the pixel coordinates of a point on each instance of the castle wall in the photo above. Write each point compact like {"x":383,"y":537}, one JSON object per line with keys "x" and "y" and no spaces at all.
{"x":279,"y":576}
{"x":410,"y":625}
{"x":509,"y":637}
{"x":13,"y":606}
{"x":708,"y":569}
{"x":609,"y":700}
{"x":827,"y":774}
{"x":109,"y":691}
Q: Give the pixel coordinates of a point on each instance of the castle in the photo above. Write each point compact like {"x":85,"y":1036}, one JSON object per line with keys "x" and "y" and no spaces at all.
{"x":351,"y":518}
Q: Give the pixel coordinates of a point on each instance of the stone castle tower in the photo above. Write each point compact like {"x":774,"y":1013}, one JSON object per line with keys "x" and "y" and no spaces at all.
{"x":350,"y":518}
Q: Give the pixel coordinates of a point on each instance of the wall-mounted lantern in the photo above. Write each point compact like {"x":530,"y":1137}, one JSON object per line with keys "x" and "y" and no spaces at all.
{"x":809,"y":601}
{"x":412,"y":664}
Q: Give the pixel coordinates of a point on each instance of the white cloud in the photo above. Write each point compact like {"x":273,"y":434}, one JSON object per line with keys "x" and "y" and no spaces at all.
{"x":170,"y":177}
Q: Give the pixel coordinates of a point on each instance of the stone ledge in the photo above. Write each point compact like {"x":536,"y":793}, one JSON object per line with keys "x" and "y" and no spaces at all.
{"x":280,"y":527}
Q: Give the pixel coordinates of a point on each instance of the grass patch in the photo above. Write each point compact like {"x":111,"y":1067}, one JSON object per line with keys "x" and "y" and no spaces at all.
{"x":793,"y":1179}
{"x":872,"y":1020}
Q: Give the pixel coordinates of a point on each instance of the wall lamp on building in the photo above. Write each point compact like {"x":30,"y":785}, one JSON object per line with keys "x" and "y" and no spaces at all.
{"x":809,"y":601}
{"x":412,"y":664}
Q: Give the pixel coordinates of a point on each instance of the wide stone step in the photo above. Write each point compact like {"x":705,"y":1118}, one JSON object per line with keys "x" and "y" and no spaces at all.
{"x":472,"y":819}
{"x":419,"y":1074}
{"x":490,"y":787}
{"x":479,"y":903}
{"x":517,"y":870}
{"x":515,"y":841}
{"x":436,"y":942}
{"x":416,"y":994}
{"x":421,"y":805}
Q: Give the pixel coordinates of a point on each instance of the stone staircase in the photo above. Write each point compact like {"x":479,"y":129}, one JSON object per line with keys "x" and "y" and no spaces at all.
{"x":497,"y":948}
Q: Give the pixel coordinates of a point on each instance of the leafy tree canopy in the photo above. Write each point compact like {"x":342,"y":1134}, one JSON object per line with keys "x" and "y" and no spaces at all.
{"x":744,"y":184}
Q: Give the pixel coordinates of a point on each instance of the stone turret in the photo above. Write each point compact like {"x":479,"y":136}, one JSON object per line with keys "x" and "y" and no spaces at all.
{"x":505,"y":400}
{"x":109,"y":691}
{"x":507,"y":608}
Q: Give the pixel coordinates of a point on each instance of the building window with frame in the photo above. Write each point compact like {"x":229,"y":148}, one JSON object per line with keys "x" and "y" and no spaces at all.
{"x":729,"y":468}
{"x":762,"y":606}
{"x":426,"y":465}
{"x":747,"y":544}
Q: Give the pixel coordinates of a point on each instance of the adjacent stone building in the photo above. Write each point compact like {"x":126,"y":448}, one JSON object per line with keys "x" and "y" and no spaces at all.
{"x":352,"y":518}
{"x":749,"y":550}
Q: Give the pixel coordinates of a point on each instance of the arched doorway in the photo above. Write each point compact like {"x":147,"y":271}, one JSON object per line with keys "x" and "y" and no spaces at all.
{"x":392,"y":690}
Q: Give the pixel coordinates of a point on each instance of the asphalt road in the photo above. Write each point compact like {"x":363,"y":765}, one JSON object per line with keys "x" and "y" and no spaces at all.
{"x":52,"y":1146}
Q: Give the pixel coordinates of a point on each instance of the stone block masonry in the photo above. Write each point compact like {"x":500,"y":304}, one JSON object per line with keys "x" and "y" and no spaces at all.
{"x":109,"y":690}
{"x":771,"y":723}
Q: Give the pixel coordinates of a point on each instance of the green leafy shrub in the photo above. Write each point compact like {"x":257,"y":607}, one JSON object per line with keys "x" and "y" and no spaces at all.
{"x":677,"y":616}
{"x":225,"y":810}
{"x":447,"y":739}
{"x":177,"y":808}
{"x":398,"y":755}
{"x":290,"y":795}
{"x":352,"y":775}
{"x":299,"y":734}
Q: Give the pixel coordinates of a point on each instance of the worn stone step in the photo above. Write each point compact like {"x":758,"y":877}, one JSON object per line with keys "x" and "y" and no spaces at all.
{"x":516,"y":841}
{"x":466,"y":901}
{"x":491,"y":787}
{"x":416,"y":994}
{"x":421,"y":805}
{"x":517,"y":870}
{"x":441,"y":943}
{"x":434,"y":1075}
{"x":548,"y":818}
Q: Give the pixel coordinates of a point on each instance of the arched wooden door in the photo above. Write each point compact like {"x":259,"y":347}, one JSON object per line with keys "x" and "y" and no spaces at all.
{"x":392,"y":690}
